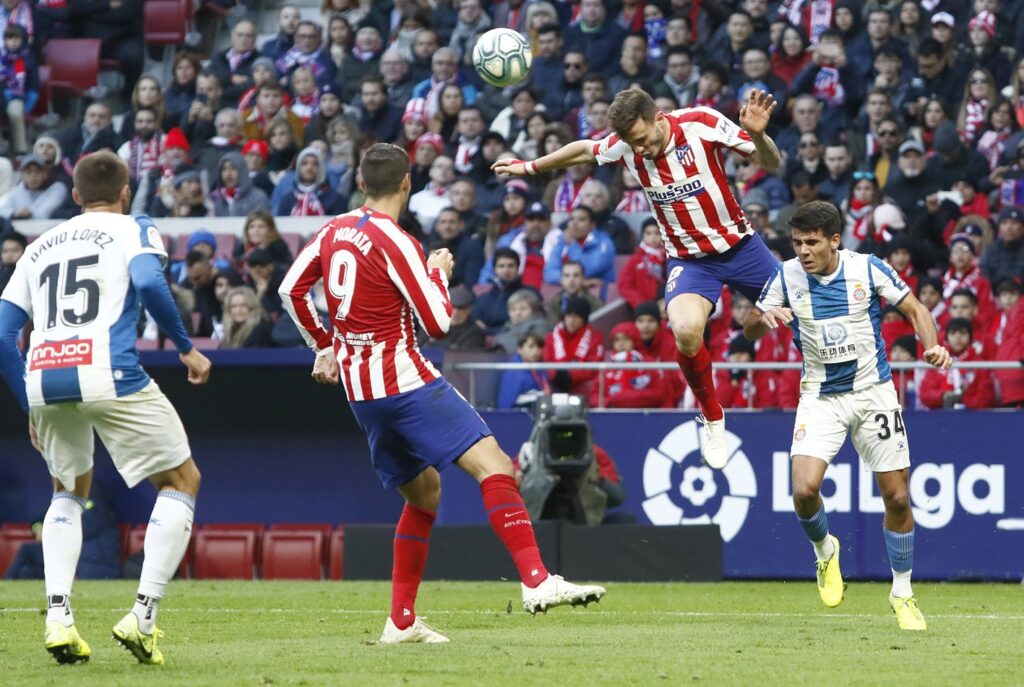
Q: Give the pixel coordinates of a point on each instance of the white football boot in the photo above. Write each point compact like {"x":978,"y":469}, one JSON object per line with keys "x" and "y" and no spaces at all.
{"x":556,"y":591}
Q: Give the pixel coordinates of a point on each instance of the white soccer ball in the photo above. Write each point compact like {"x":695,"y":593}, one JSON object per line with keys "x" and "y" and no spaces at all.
{"x":502,"y":57}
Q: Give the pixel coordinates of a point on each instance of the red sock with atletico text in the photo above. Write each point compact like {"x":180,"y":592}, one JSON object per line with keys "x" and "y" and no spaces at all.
{"x":412,"y":541}
{"x":510,"y":521}
{"x":697,"y":370}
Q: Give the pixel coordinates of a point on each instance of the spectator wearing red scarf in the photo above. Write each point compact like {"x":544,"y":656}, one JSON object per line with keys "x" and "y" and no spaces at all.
{"x":574,"y":340}
{"x":628,"y":388}
{"x":957,"y":387}
{"x":644,"y":272}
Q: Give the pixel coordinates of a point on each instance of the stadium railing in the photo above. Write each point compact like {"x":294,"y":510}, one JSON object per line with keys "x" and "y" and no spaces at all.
{"x":471,"y":369}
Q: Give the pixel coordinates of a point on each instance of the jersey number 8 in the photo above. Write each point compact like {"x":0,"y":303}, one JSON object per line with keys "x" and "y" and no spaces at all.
{"x":341,"y":281}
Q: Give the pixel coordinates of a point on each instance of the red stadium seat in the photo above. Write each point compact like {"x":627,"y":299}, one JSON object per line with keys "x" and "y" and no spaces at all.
{"x":254,"y":527}
{"x":164,"y":22}
{"x":12,"y":536}
{"x":74,"y":64}
{"x":322,"y":527}
{"x":293,"y":555}
{"x":148,"y":344}
{"x":135,"y":540}
{"x":205,"y":343}
{"x":224,"y":554}
{"x":335,"y":555}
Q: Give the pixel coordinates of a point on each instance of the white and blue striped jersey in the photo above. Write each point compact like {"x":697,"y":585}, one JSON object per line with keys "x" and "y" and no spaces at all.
{"x":837,"y":320}
{"x":75,"y":284}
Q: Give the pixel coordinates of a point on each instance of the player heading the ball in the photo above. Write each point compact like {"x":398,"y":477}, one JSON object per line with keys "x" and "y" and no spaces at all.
{"x":833,"y":300}
{"x":82,"y":284}
{"x":376,"y":280}
{"x":678,"y":158}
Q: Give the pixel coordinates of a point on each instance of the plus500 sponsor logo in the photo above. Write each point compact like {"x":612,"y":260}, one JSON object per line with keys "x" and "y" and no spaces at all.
{"x":50,"y":355}
{"x":935,"y":490}
{"x":674,"y":193}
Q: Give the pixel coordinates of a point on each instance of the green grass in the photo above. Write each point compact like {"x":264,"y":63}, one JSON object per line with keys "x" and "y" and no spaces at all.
{"x":280,"y":633}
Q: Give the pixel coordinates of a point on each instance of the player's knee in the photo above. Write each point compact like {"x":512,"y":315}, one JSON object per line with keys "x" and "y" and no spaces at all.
{"x":805,"y":493}
{"x":897,"y":500}
{"x":688,"y":338}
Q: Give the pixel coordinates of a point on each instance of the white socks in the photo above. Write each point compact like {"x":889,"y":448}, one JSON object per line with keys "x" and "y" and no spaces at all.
{"x":167,"y":535}
{"x":824,"y":549}
{"x":901,"y":584}
{"x":62,"y":544}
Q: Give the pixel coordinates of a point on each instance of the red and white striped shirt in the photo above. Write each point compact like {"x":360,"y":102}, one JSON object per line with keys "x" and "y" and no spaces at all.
{"x":686,"y":184}
{"x":375,"y":278}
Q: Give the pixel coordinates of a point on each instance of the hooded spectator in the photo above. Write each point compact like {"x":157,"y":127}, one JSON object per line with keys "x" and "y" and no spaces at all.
{"x":236,"y":196}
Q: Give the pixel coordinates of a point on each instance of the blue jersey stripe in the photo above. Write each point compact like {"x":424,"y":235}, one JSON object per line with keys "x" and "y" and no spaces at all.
{"x":61,"y":385}
{"x":875,"y":312}
{"x":839,"y":377}
{"x":129,"y":376}
{"x":829,"y":300}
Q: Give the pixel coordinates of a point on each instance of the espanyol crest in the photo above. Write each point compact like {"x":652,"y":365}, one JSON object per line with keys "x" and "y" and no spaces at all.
{"x":680,"y":490}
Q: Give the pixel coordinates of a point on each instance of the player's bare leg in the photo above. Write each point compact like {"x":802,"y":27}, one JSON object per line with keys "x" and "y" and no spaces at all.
{"x":688,"y":314}
{"x":898,"y":530}
{"x":167,"y":537}
{"x":808,"y":473}
{"x":412,"y":538}
{"x":62,"y":545}
{"x":492,"y":469}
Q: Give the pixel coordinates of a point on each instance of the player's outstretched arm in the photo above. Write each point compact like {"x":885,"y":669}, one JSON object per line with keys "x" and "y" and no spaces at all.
{"x":758,"y":323}
{"x":575,"y":153}
{"x":755,"y":116}
{"x":934,"y":354}
{"x":12,"y":366}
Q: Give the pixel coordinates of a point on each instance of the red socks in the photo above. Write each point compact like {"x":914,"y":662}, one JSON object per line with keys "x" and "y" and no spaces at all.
{"x":411,"y":544}
{"x":510,"y":521}
{"x":697,"y":370}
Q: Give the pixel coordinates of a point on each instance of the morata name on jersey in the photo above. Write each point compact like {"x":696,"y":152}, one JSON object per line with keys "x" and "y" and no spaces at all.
{"x":100,"y":238}
{"x":357,"y":238}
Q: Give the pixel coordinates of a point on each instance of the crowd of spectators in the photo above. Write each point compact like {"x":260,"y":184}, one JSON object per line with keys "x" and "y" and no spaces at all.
{"x":907,"y":115}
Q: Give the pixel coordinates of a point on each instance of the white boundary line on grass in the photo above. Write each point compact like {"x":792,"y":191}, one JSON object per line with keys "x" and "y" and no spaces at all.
{"x":680,"y":614}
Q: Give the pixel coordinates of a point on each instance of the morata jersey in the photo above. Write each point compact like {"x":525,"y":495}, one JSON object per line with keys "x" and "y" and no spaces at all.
{"x":686,"y":185}
{"x":75,"y":284}
{"x":837,"y":320}
{"x":375,"y":280}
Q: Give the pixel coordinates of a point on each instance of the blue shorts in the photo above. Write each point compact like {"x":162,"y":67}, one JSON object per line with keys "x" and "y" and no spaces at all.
{"x":427,"y":427}
{"x":746,"y":268}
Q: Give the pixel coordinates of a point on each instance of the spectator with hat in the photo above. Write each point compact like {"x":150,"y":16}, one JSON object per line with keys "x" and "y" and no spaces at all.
{"x":914,"y":182}
{"x":185,"y":196}
{"x":1004,"y":257}
{"x":657,"y":343}
{"x":463,"y":333}
{"x":574,"y":340}
{"x":425,"y":150}
{"x":35,"y":196}
{"x":329,"y":107}
{"x":306,"y":191}
{"x":256,"y":154}
{"x":624,"y":387}
{"x":953,"y":160}
{"x":985,"y":52}
{"x":533,"y":241}
{"x":235,"y":195}
{"x":450,"y":233}
{"x":509,"y":216}
{"x":956,"y":387}
{"x":964,"y":273}
{"x":263,"y":71}
{"x":414,"y":125}
{"x":943,"y":31}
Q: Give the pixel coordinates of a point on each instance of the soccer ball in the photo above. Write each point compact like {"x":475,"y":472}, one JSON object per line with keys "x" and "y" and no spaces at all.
{"x":502,"y":57}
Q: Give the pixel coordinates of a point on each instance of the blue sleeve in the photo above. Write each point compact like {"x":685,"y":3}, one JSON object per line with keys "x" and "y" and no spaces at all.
{"x":553,"y":266}
{"x":12,"y":365}
{"x":599,"y":261}
{"x":148,"y":278}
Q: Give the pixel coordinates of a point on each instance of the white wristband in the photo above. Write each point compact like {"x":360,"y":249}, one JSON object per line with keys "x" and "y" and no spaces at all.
{"x":531,"y":167}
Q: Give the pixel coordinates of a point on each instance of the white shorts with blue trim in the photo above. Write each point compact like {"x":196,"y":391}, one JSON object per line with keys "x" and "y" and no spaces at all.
{"x":141,"y":431}
{"x":872,"y":418}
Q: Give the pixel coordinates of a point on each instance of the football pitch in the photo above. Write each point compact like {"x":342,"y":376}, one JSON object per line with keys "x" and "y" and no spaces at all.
{"x":324,"y":633}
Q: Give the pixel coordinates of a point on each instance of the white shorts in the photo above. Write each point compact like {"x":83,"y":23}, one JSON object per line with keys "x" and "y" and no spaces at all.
{"x":871,"y":416}
{"x":142,"y":432}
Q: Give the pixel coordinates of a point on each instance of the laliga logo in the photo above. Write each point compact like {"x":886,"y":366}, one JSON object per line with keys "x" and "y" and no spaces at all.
{"x":680,"y":490}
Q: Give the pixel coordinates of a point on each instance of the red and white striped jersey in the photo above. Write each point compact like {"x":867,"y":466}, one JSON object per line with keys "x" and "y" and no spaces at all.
{"x":375,"y":278}
{"x":686,"y":184}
